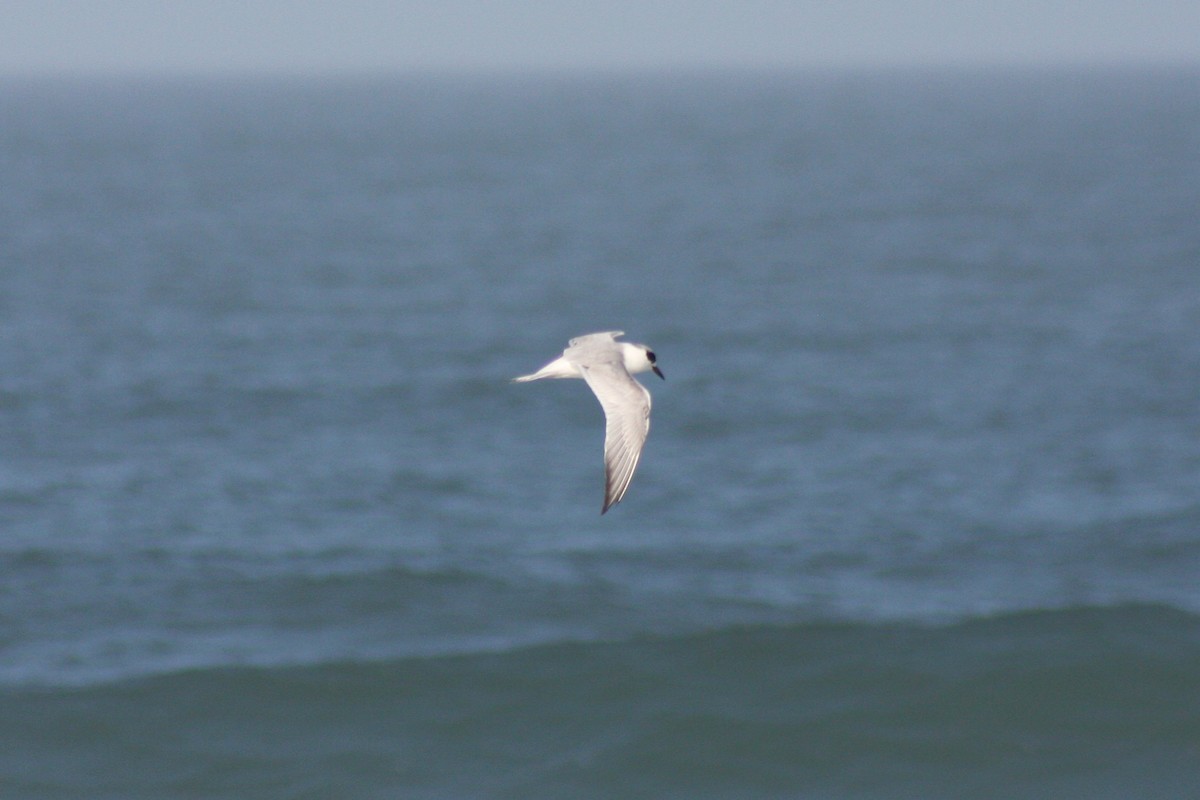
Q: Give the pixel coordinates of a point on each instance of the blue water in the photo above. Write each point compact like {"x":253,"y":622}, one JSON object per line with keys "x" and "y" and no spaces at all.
{"x":919,"y":515}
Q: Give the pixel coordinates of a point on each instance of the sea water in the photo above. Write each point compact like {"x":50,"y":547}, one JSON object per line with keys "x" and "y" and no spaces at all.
{"x":919,"y":514}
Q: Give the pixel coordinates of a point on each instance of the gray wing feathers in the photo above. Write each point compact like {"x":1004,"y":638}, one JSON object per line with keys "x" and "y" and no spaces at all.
{"x":589,"y":338}
{"x":626,"y":405}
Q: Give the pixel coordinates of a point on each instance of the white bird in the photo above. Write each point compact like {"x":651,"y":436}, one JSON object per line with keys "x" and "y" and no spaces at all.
{"x":608,"y":366}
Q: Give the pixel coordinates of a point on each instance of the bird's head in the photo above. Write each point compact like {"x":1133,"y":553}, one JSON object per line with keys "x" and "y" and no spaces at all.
{"x":639,"y":358}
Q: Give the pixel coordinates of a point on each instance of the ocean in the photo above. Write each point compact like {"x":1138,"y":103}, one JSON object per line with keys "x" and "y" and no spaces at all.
{"x":918,"y":517}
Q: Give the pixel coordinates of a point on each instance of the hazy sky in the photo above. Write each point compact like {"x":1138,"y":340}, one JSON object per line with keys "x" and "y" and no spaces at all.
{"x":39,"y":36}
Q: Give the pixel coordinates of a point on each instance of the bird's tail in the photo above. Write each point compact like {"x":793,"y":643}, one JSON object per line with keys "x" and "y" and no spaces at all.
{"x":558,"y":368}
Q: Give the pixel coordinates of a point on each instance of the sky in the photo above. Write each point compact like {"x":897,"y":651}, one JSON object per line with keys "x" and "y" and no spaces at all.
{"x":354,"y":36}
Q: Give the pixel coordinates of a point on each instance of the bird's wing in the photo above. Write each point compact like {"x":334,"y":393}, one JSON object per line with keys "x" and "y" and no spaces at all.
{"x":592,"y":338}
{"x":626,"y":405}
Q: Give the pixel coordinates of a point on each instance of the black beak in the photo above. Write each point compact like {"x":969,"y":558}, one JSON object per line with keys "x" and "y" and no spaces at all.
{"x":658,"y":371}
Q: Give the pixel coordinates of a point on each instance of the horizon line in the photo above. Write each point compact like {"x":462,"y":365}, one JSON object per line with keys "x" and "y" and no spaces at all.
{"x":595,"y":70}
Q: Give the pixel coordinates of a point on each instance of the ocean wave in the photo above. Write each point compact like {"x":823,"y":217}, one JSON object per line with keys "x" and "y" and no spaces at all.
{"x":1077,"y":699}
{"x":76,"y":618}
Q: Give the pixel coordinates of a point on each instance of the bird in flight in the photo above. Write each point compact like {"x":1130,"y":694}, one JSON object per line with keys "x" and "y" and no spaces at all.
{"x":608,"y":366}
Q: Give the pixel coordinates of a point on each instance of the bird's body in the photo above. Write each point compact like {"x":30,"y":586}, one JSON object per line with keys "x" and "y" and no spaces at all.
{"x":608,"y":366}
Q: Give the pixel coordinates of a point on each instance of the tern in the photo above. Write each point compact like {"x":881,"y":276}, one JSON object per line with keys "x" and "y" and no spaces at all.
{"x":608,"y":366}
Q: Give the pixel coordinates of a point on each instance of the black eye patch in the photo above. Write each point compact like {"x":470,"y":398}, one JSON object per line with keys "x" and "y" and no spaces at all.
{"x":650,"y":355}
